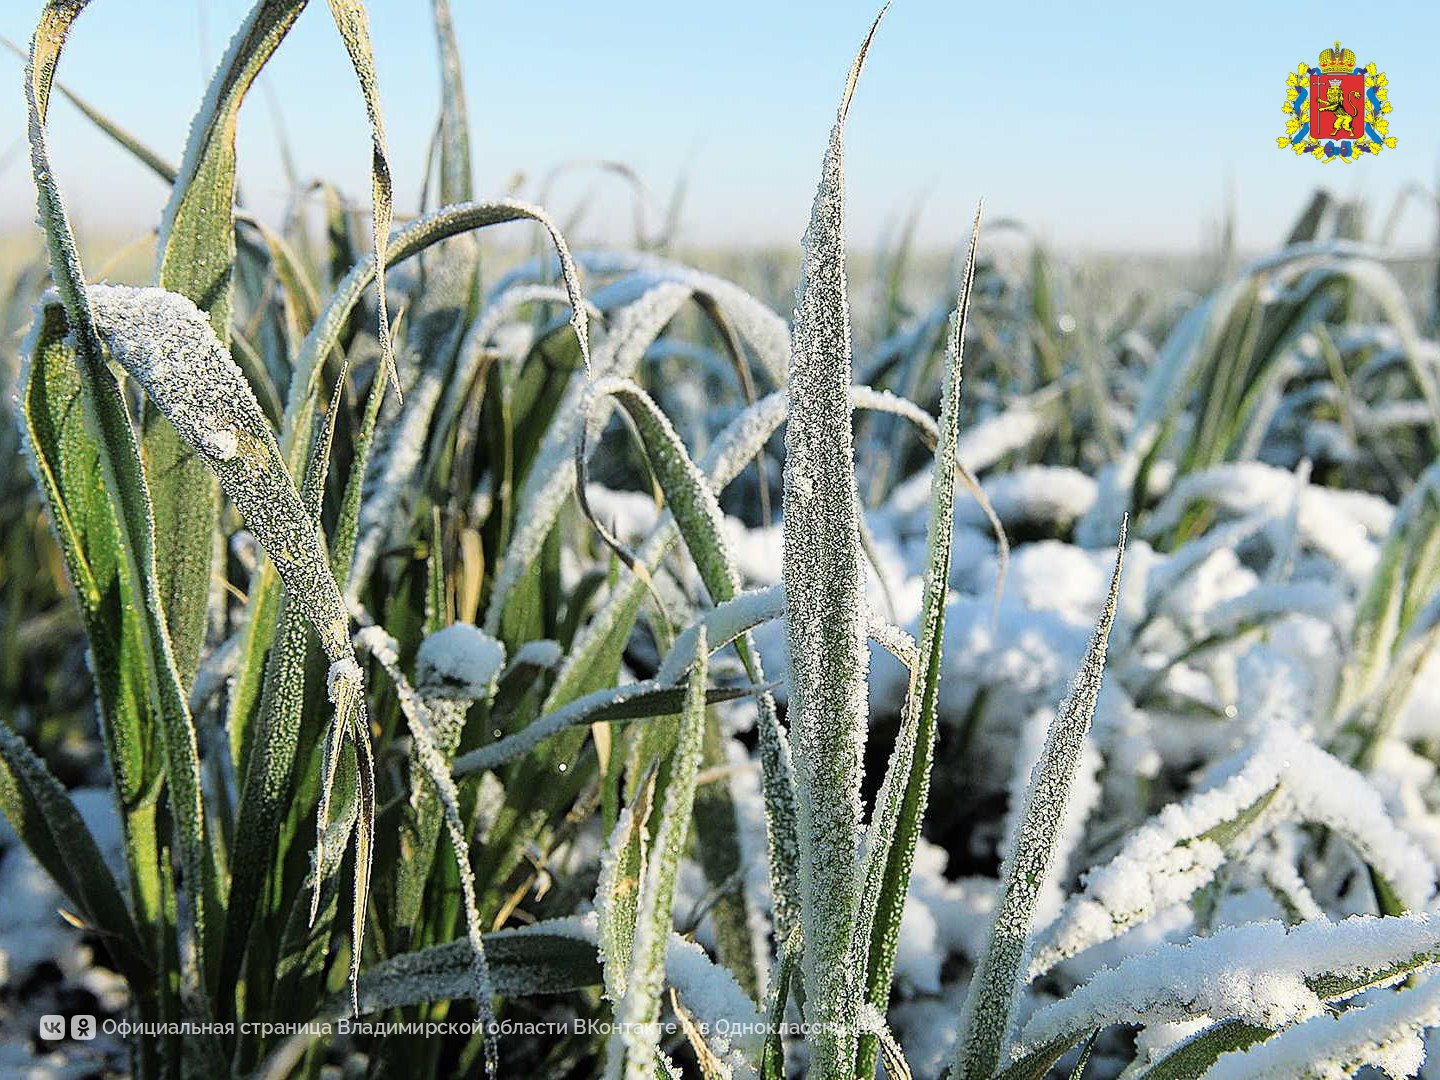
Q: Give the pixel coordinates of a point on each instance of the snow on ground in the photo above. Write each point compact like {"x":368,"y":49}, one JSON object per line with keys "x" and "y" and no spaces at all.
{"x":47,"y":965}
{"x":1220,"y":644}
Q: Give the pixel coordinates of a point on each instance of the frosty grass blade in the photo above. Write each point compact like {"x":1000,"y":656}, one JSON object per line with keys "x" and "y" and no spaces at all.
{"x":826,"y":614}
{"x":990,"y":1005}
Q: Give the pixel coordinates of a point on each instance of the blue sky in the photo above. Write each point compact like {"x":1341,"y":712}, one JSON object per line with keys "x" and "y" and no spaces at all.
{"x":1112,"y":126}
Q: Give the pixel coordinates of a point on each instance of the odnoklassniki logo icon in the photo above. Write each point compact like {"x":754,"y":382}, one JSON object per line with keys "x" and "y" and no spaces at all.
{"x":1336,"y":111}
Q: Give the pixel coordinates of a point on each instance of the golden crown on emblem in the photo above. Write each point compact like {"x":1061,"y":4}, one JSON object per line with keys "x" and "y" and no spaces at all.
{"x":1337,"y":61}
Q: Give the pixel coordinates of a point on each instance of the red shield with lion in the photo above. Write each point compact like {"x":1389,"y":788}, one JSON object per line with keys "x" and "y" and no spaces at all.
{"x":1337,"y":106}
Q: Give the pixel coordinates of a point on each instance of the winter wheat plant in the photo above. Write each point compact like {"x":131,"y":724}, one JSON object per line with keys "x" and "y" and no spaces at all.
{"x":450,"y":672}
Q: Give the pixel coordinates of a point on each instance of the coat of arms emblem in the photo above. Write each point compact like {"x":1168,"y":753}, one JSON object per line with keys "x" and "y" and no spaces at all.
{"x":1336,"y":110}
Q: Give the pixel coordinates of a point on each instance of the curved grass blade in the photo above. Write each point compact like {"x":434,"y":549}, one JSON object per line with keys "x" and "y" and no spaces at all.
{"x":1264,"y":975}
{"x":416,"y":237}
{"x":697,"y":514}
{"x":196,"y":257}
{"x":118,"y":456}
{"x":196,"y":254}
{"x":552,"y":477}
{"x":165,"y":342}
{"x":1378,"y":1035}
{"x":354,"y":26}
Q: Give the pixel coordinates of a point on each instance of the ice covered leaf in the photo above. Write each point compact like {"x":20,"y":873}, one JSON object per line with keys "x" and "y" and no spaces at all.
{"x":353,"y":23}
{"x":168,"y":345}
{"x":990,"y":1004}
{"x":826,"y":614}
{"x":1284,"y":777}
{"x":1386,"y":1034}
{"x":721,"y":625}
{"x":629,"y":701}
{"x":1262,"y":974}
{"x":622,"y":866}
{"x":170,"y":348}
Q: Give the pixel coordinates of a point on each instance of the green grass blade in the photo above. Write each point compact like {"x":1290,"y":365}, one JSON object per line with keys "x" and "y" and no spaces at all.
{"x":433,"y":746}
{"x":721,"y":856}
{"x":347,"y":526}
{"x":826,"y":617}
{"x":990,"y":1005}
{"x":1193,"y":1057}
{"x":456,"y":182}
{"x":617,"y":894}
{"x":1083,"y":1061}
{"x":354,"y":26}
{"x":772,"y":1058}
{"x":1036,"y":1065}
{"x":531,"y":960}
{"x":66,"y":463}
{"x":904,"y":793}
{"x":186,"y":507}
{"x":196,"y":258}
{"x":689,"y":497}
{"x":631,"y":1052}
{"x":697,"y":514}
{"x":267,"y":785}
